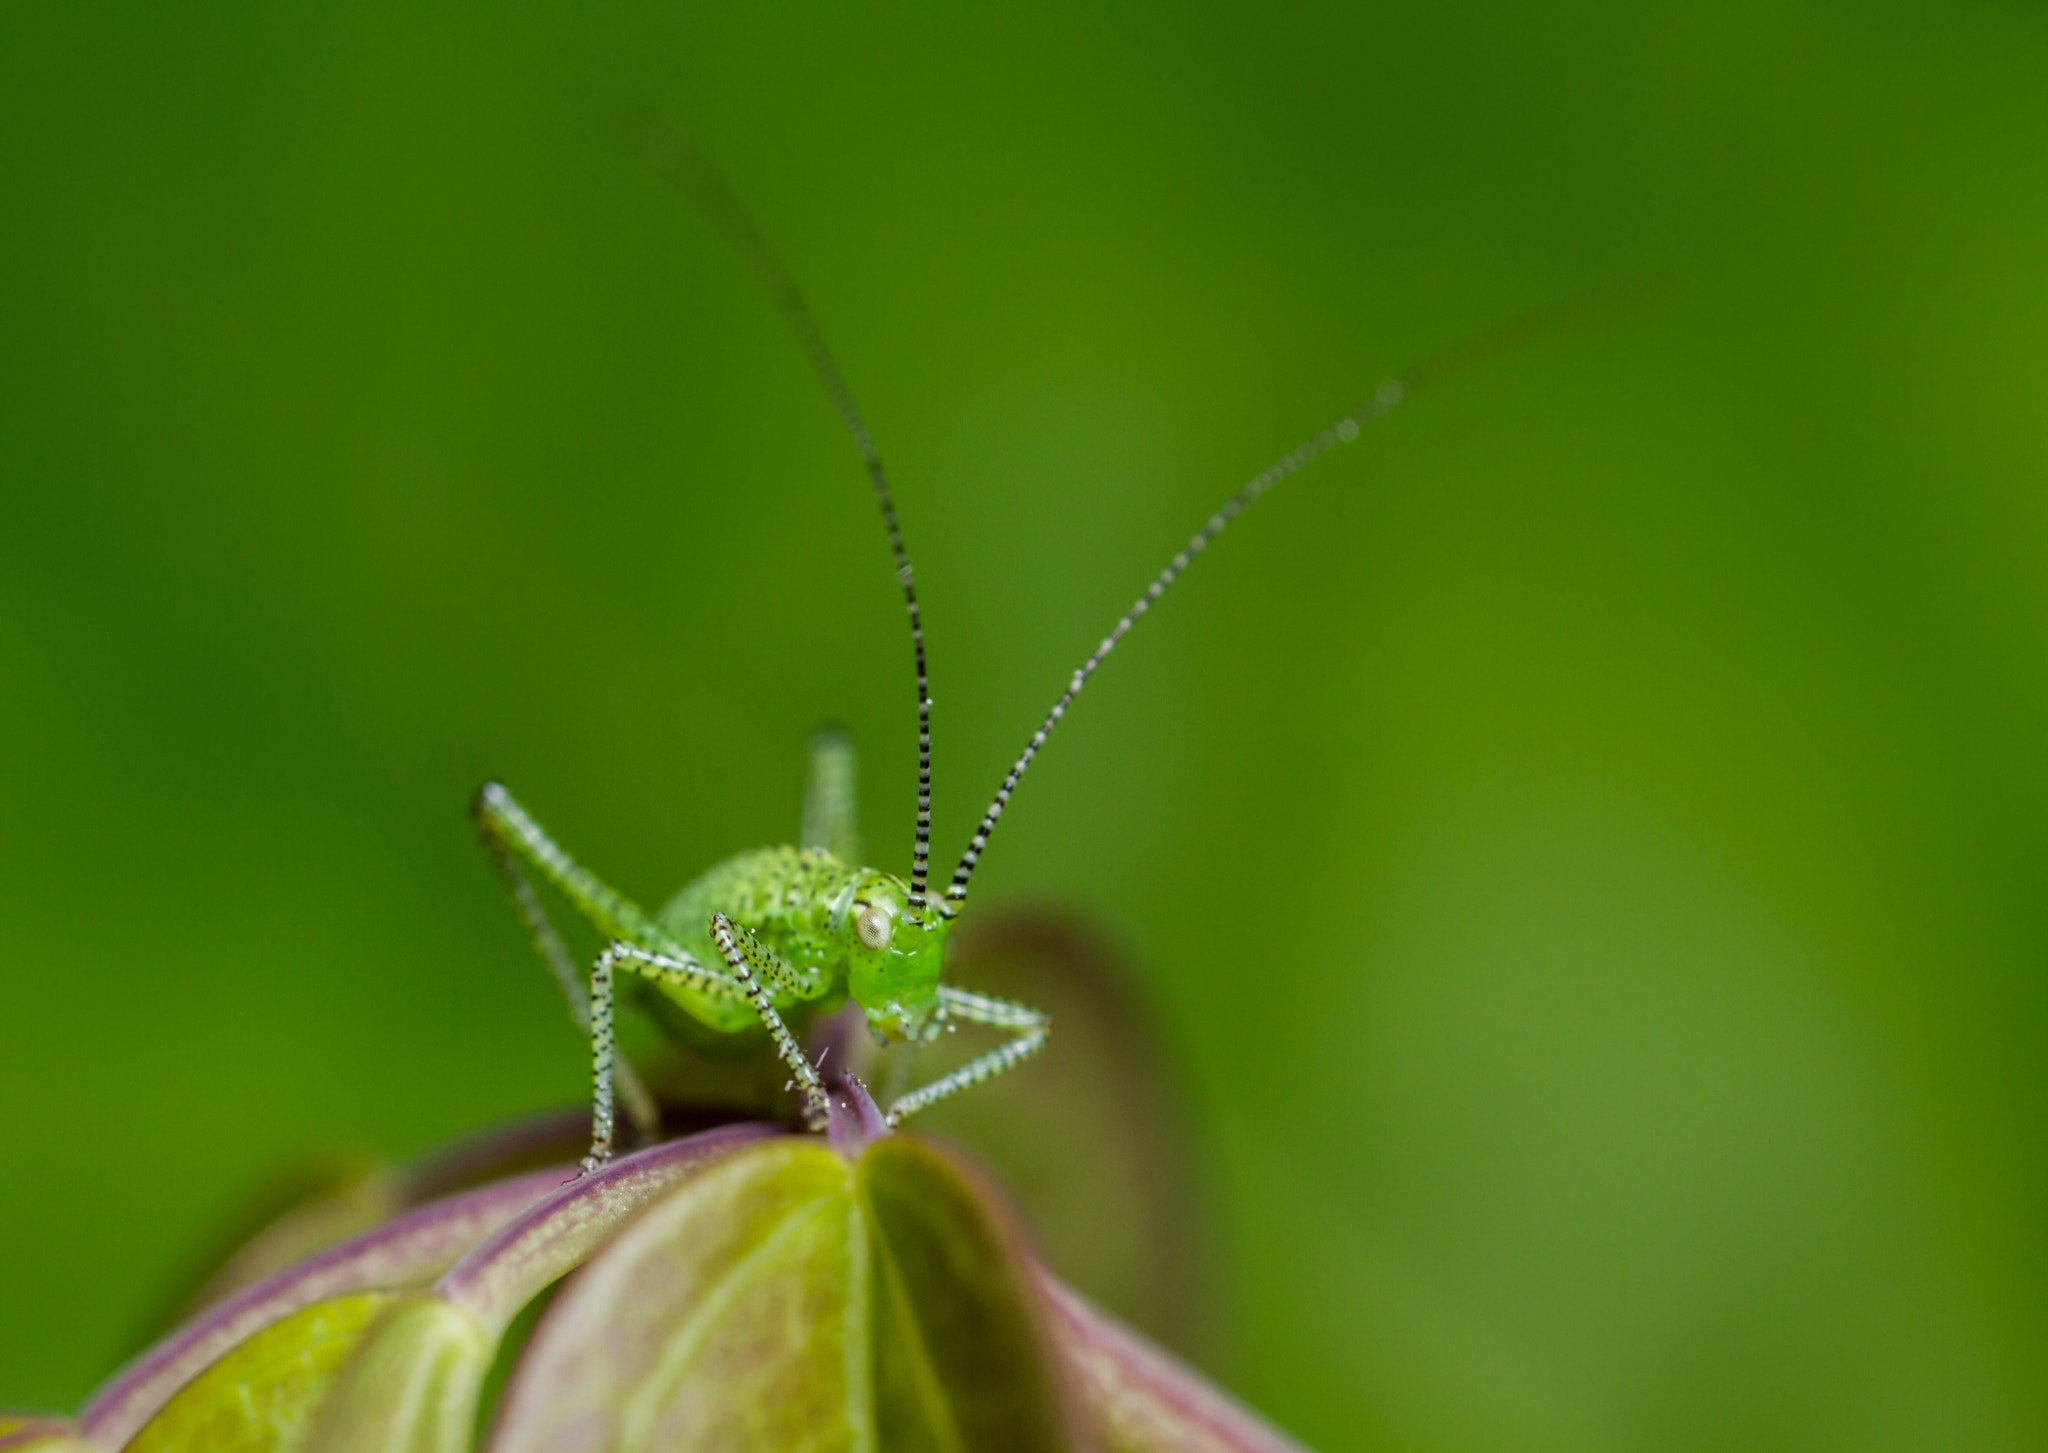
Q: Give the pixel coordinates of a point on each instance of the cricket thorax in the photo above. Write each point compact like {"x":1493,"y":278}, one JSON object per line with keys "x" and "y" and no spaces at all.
{"x":783,"y":895}
{"x":851,"y":926}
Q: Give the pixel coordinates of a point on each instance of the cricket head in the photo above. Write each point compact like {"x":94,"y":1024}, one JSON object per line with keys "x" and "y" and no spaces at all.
{"x":893,"y":955}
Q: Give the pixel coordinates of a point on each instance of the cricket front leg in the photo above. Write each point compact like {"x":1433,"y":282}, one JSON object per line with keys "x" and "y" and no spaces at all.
{"x":604,"y":1062}
{"x":1029,"y":1028}
{"x":751,"y":962}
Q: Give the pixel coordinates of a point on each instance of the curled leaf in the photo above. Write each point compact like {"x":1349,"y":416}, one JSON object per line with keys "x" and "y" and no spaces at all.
{"x":718,"y":1319}
{"x":266,"y":1391}
{"x":961,"y":1353}
{"x":789,"y":1298}
{"x":511,"y":1266}
{"x":411,"y":1386}
{"x":740,"y":1289}
{"x":403,"y":1252}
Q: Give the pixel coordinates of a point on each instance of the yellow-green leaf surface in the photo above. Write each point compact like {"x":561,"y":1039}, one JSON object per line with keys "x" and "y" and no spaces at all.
{"x":264,"y":1395}
{"x":787,"y":1298}
{"x":400,"y":1254}
{"x":958,"y":1343}
{"x":412,"y":1385}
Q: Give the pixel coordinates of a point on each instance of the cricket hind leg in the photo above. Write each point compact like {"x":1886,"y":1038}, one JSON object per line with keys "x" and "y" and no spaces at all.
{"x":831,"y":817}
{"x":641,"y":1107}
{"x":507,"y":828}
{"x":1029,"y":1028}
{"x":604,"y":1061}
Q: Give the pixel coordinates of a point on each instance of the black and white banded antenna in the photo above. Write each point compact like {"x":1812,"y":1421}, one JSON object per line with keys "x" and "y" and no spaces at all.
{"x":1528,"y":328}
{"x":673,"y":154}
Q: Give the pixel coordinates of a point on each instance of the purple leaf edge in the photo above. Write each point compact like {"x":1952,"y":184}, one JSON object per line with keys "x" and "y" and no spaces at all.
{"x":36,"y":1429}
{"x":408,"y":1248}
{"x":510,"y":1265}
{"x":1194,"y":1403}
{"x":509,"y":1239}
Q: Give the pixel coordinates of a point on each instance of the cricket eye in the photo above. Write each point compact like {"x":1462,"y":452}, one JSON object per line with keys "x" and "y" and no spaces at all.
{"x":873,"y":927}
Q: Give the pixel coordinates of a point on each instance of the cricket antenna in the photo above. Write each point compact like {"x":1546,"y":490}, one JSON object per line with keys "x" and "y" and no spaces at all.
{"x":1526,"y":329}
{"x":673,"y":154}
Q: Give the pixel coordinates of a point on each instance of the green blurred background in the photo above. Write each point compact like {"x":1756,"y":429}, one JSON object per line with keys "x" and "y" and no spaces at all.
{"x":1589,"y":841}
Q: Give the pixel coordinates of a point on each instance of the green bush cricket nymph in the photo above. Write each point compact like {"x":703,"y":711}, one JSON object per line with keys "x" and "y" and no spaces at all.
{"x":779,"y":935}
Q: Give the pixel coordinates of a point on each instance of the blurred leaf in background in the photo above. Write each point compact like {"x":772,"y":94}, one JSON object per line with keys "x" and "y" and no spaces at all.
{"x":1586,"y":842}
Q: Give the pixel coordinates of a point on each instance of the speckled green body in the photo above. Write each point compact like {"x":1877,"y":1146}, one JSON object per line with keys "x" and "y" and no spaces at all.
{"x":795,"y":900}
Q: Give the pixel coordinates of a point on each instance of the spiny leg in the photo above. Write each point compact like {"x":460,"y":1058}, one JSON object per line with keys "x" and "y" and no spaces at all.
{"x":764,"y":961}
{"x":662,"y":968}
{"x":506,"y":824}
{"x":1030,"y":1026}
{"x":751,"y":961}
{"x":831,"y":821}
{"x":641,"y":1108}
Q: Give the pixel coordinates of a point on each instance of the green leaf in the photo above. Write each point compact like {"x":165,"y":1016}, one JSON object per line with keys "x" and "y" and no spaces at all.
{"x":263,"y":1396}
{"x":512,"y":1265}
{"x":961,"y":1358}
{"x":716,"y":1320}
{"x":783,"y":1300}
{"x":737,"y":1289}
{"x":412,"y":1385}
{"x":402,"y":1253}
